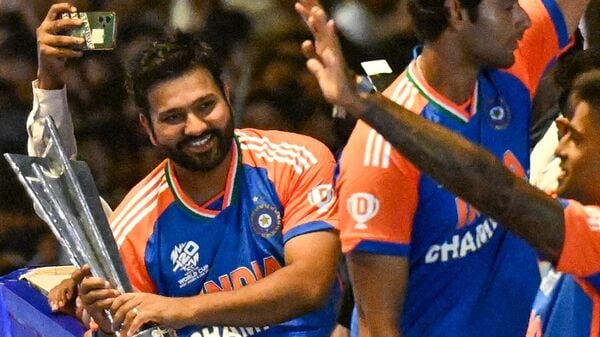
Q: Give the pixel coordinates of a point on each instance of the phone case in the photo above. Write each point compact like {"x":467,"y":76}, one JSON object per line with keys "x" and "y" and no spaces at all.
{"x":99,"y":29}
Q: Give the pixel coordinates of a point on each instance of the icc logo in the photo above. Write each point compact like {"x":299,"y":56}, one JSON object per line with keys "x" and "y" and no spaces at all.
{"x":321,"y":197}
{"x":185,"y":256}
{"x":499,"y":117}
{"x":362,"y":207}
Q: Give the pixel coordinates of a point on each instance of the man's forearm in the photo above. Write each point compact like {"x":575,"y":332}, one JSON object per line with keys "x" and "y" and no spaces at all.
{"x":471,"y":173}
{"x":296,"y":289}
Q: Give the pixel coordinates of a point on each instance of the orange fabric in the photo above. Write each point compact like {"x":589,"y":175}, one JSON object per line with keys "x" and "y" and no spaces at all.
{"x":581,"y":249}
{"x":135,"y":217}
{"x":376,"y":203}
{"x":377,"y":186}
{"x":537,"y":48}
{"x":304,"y":188}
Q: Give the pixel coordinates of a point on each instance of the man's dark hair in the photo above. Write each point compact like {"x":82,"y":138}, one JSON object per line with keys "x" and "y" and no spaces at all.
{"x":570,"y":67}
{"x":168,"y":59}
{"x":430,"y":17}
{"x":586,"y":88}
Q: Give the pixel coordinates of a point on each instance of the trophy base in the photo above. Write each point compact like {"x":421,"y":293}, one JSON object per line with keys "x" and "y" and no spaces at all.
{"x":156,"y":331}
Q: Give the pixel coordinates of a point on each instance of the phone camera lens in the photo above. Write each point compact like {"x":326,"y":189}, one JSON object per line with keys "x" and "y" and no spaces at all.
{"x":108,"y":19}
{"x":101,"y":19}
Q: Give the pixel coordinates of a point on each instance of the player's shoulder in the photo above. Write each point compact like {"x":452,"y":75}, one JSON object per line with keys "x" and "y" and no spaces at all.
{"x":147,"y":189}
{"x":273,"y":147}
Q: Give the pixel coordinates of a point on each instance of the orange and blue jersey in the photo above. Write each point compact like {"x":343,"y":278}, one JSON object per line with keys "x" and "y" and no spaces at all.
{"x":568,"y":301}
{"x":467,"y":275}
{"x":279,"y":187}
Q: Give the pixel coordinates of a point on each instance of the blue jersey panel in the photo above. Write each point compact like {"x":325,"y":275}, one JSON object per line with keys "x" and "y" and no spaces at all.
{"x":190,"y":254}
{"x":485,"y":278}
{"x":562,"y":306}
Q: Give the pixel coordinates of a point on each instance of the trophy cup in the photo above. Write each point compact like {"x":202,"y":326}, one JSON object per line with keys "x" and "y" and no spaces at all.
{"x":65,"y":196}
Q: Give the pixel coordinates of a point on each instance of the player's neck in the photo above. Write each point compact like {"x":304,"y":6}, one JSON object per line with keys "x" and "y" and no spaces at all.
{"x":446,"y":69}
{"x":202,"y":186}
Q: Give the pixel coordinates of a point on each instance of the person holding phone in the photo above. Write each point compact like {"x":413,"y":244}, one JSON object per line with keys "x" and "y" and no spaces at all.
{"x":232,"y":234}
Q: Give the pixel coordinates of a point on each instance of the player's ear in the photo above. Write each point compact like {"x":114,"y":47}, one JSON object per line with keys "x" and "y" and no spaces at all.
{"x":147,"y":125}
{"x":455,"y":11}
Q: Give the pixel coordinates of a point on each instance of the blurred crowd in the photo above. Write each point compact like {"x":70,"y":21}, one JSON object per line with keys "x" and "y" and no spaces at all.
{"x":259,"y":45}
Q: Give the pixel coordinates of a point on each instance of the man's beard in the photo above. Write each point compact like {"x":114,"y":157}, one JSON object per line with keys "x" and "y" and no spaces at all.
{"x":206,"y":161}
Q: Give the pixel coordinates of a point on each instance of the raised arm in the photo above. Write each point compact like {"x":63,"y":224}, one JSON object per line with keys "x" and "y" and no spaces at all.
{"x":49,"y":97}
{"x":573,"y":11}
{"x":463,"y":168}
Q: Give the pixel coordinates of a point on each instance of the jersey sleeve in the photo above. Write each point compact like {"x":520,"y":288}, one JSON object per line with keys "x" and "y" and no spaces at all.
{"x":378,"y":192}
{"x":310,"y":202}
{"x":581,"y":248}
{"x":541,"y":43}
{"x":50,"y":103}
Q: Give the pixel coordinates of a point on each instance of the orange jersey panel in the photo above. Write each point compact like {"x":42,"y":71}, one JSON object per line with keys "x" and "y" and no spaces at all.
{"x":301,"y":169}
{"x":539,"y":45}
{"x":135,"y":218}
{"x":581,"y":249}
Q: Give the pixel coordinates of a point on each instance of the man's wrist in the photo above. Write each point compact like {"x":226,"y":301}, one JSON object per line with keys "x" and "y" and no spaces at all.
{"x":49,"y":83}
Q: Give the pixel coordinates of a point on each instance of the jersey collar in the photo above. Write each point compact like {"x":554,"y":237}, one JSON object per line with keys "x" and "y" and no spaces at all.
{"x":460,"y":112}
{"x":233,"y":176}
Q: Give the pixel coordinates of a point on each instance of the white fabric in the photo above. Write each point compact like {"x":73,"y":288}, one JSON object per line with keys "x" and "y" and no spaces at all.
{"x":545,"y":167}
{"x":52,"y":103}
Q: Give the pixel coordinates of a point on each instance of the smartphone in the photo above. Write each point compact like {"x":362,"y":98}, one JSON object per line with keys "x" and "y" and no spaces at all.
{"x":99,"y":29}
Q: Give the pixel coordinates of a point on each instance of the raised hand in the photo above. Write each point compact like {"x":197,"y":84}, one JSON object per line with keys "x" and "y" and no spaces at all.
{"x":325,"y":59}
{"x":136,"y":309}
{"x":52,"y":48}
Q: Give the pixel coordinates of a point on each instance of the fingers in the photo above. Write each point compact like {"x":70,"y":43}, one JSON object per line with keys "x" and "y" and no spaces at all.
{"x":60,"y":295}
{"x":134,"y":321}
{"x":308,"y":49}
{"x":80,"y":273}
{"x":60,"y":52}
{"x":303,"y":7}
{"x":96,"y":293}
{"x":125,"y":312}
{"x":48,"y":33}
{"x":56,"y":9}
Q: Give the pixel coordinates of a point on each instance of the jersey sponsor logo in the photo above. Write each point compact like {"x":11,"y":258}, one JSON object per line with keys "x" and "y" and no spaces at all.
{"x":362,"y":207}
{"x":227,"y":331}
{"x":377,"y":151}
{"x":321,"y":197}
{"x":265,"y":220}
{"x":463,"y":244}
{"x":499,"y":116}
{"x":242,"y":276}
{"x":185,"y":257}
{"x":466,"y":214}
{"x":593,"y":217}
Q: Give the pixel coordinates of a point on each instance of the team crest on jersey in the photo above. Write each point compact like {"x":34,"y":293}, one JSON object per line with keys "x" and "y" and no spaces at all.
{"x":265,"y":220}
{"x":362,"y":207}
{"x":185,"y":257}
{"x":499,"y":117}
{"x":321,"y":197}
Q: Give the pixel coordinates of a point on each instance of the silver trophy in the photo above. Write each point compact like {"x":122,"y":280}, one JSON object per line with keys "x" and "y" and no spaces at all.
{"x":65,"y":196}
